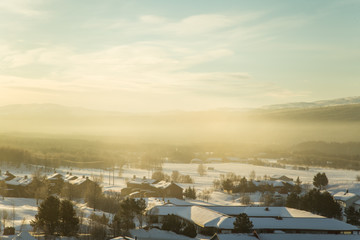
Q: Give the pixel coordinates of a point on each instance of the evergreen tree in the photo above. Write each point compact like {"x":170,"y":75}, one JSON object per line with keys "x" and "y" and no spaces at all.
{"x":124,"y":219}
{"x":320,"y":180}
{"x":171,"y":223}
{"x":320,"y":203}
{"x":69,"y":223}
{"x":352,"y":216}
{"x":297,"y":187}
{"x":47,"y":218}
{"x":189,"y":230}
{"x":242,"y":224}
{"x":139,"y":207}
{"x":227,"y":185}
{"x":190,"y":193}
{"x":293,"y":200}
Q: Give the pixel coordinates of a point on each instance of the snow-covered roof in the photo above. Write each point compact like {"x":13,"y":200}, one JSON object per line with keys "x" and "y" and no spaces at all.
{"x":20,"y":181}
{"x":180,"y":202}
{"x":55,"y":176}
{"x":69,"y":177}
{"x":275,"y":183}
{"x":196,"y":160}
{"x":320,"y":224}
{"x":123,"y":238}
{"x":214,"y":159}
{"x":235,"y":236}
{"x":78,"y":181}
{"x":284,"y":236}
{"x":283,"y":212}
{"x":157,"y":234}
{"x":290,"y":218}
{"x":294,"y":236}
{"x":234,"y":159}
{"x":163,"y":184}
{"x":24,"y":236}
{"x":344,"y":196}
{"x":142,"y":181}
{"x":199,"y":215}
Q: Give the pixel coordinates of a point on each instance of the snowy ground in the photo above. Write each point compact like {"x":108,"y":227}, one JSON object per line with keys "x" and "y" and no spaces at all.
{"x":339,"y":180}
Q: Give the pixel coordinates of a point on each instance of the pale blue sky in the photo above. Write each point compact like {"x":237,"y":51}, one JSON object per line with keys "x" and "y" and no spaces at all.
{"x":166,"y":55}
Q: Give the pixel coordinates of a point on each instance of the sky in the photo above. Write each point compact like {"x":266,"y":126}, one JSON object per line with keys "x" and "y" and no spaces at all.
{"x":162,"y":55}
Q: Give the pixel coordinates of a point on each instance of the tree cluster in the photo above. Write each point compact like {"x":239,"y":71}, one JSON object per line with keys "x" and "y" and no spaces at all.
{"x":55,"y":216}
{"x":352,"y":216}
{"x":190,"y":193}
{"x":174,"y":224}
{"x":242,"y":224}
{"x":124,"y":219}
{"x":320,"y":180}
{"x":175,"y":177}
{"x":317,"y":202}
{"x":232,"y":183}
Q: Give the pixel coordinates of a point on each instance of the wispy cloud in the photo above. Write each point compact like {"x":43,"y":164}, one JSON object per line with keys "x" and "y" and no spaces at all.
{"x":22,"y":7}
{"x":207,"y":58}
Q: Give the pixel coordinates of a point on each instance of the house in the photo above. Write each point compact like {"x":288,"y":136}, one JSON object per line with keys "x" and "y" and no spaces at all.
{"x":281,"y":177}
{"x":69,"y":177}
{"x":78,"y":186}
{"x":140,"y":183}
{"x":169,"y":189}
{"x":214,"y":160}
{"x":357,"y":205}
{"x":234,"y":159}
{"x":80,"y":182}
{"x":55,"y":177}
{"x":56,"y":181}
{"x":18,"y":187}
{"x":9,"y":176}
{"x":217,"y":219}
{"x":151,"y":188}
{"x":123,"y":238}
{"x":196,"y":160}
{"x":346,"y":199}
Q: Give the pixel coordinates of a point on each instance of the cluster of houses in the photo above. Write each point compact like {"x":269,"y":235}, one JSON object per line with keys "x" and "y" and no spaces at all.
{"x":12,"y":186}
{"x":145,"y":188}
{"x":24,"y":186}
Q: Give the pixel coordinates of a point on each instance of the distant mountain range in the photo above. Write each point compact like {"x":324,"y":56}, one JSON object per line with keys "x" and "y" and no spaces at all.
{"x":322,"y":103}
{"x":335,"y":120}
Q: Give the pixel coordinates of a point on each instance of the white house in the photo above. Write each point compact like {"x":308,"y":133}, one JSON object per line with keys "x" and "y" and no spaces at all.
{"x":346,"y":199}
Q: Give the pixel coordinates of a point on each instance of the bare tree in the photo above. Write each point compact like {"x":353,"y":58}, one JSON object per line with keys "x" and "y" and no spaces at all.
{"x":205,"y":194}
{"x":3,"y":189}
{"x":252,"y":175}
{"x":5,"y":217}
{"x":13,"y":213}
{"x":201,"y":169}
